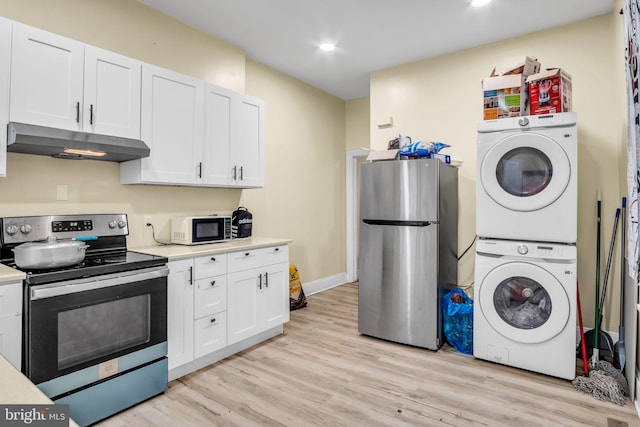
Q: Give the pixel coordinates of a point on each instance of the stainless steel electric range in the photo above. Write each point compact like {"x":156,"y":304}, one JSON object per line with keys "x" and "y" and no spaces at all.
{"x":95,"y":333}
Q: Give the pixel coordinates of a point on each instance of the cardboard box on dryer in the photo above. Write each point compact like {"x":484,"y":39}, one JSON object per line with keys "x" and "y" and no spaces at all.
{"x":506,"y":95}
{"x":550,"y":92}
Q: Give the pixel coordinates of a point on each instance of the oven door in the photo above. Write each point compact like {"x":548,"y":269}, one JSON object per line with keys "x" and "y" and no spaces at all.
{"x":81,"y":323}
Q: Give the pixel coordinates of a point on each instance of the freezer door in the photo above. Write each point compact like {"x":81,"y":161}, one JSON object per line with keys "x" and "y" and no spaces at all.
{"x":398,"y":289}
{"x":400,"y":190}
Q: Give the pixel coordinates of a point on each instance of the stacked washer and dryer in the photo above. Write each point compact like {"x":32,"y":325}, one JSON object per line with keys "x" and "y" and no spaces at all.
{"x":525,"y":273}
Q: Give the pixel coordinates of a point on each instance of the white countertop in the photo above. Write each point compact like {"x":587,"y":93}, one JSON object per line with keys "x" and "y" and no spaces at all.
{"x":17,"y":389}
{"x":174,"y":252}
{"x":10,"y":275}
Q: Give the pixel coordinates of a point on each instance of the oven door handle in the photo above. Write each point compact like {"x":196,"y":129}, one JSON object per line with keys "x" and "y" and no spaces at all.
{"x":97,"y":282}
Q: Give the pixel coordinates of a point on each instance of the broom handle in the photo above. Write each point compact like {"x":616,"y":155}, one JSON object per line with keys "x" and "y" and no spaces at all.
{"x":608,"y":268}
{"x":596,"y":347}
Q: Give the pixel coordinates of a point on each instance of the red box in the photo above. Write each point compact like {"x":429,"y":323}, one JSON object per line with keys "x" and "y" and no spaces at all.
{"x":549,"y":92}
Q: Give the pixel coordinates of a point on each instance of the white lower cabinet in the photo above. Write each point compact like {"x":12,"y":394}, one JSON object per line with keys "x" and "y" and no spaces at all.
{"x":219,"y":300}
{"x":180,"y":312}
{"x":197,"y":303}
{"x":11,"y":322}
{"x":258,"y":291}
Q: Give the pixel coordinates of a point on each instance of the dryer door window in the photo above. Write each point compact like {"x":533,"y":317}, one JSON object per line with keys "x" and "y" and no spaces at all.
{"x":524,"y":302}
{"x":525,"y":171}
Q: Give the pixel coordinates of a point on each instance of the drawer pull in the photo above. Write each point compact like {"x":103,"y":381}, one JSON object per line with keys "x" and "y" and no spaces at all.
{"x":213,"y":259}
{"x":213,"y":283}
{"x":246,"y":254}
{"x":213,"y":320}
{"x":277,"y":249}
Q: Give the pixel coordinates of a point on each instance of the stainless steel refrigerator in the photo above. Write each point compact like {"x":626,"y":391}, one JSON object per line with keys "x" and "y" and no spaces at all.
{"x":408,"y":249}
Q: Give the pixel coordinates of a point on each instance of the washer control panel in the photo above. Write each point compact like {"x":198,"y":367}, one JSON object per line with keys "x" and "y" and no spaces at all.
{"x":549,"y":251}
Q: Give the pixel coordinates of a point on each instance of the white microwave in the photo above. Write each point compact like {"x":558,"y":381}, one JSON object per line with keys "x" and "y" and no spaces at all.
{"x":199,"y":230}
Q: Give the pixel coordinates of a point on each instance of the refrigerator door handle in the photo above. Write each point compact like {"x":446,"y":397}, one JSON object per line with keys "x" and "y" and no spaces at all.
{"x":398,"y":222}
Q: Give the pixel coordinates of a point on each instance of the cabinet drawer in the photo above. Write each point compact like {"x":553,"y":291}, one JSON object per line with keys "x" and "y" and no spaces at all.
{"x":211,"y":265}
{"x":276,"y":255}
{"x":11,"y":300}
{"x":244,"y":260}
{"x":210,"y":334}
{"x":210,"y":296}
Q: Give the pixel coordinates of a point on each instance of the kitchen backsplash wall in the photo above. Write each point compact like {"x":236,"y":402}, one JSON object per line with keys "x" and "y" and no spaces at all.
{"x":31,"y":188}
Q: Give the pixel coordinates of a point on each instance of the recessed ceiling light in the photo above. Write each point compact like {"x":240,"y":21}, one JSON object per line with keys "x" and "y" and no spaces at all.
{"x":327,"y":47}
{"x":478,"y":3}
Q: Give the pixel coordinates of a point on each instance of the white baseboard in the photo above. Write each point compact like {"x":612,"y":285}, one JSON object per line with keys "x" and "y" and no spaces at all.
{"x":320,"y":285}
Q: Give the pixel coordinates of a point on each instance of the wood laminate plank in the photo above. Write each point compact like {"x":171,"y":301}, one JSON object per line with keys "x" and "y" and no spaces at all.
{"x":322,"y":372}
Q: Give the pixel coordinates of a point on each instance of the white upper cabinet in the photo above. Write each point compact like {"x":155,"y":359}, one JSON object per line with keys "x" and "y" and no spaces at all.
{"x":234,"y":139}
{"x":247,"y":146}
{"x":63,"y":83}
{"x":111,"y":93}
{"x":172,"y":126}
{"x":5,"y":70}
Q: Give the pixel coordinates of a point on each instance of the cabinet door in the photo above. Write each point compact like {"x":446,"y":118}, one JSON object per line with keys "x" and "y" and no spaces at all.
{"x":210,"y":296}
{"x":216,"y":168}
{"x":111,"y":94}
{"x":247,"y":142}
{"x":180,"y":312}
{"x":11,"y":339}
{"x":46,"y":79}
{"x":210,"y":334}
{"x":5,"y":71}
{"x":172,"y":126}
{"x":11,"y":322}
{"x":242,"y":305}
{"x":274,"y":296}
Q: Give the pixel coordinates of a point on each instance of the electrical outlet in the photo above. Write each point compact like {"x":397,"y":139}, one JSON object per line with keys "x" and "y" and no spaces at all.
{"x":147,"y":220}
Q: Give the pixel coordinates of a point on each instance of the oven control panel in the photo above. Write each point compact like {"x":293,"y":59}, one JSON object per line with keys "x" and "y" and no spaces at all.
{"x":36,"y":228}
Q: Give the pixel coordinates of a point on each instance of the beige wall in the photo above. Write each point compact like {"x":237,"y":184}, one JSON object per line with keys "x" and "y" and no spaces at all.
{"x":358,"y":132}
{"x":304,"y":194}
{"x":440,"y":99}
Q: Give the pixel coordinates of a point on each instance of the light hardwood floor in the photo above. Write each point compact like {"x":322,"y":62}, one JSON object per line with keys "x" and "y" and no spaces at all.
{"x":321,"y":372}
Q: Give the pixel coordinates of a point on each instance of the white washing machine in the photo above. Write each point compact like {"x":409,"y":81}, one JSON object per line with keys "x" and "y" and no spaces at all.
{"x":525,"y":305}
{"x":527,"y":187}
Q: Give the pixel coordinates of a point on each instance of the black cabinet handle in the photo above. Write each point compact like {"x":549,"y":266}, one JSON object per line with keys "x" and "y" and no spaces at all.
{"x":213,"y":259}
{"x":77,"y":112}
{"x":277,"y":249}
{"x":234,"y":173}
{"x":213,"y":320}
{"x":266,"y":280}
{"x":213,"y":283}
{"x":191,"y":275}
{"x":200,"y":170}
{"x":246,"y":254}
{"x":91,"y":114}
{"x":260,"y":281}
{"x":241,"y":167}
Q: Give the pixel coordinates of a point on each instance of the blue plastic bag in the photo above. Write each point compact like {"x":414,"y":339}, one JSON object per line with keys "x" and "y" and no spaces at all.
{"x":422,"y":149}
{"x":457,"y":310}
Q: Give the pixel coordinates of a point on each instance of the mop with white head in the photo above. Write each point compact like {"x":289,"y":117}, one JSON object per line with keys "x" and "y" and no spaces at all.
{"x":604,"y":382}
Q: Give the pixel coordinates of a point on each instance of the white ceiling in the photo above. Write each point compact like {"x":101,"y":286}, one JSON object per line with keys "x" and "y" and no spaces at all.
{"x":369,"y":34}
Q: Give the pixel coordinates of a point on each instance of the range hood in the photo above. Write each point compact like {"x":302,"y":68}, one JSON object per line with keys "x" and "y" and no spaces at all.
{"x":68,"y":144}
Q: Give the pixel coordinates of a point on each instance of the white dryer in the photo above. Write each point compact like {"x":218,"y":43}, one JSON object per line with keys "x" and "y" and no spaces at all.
{"x":525,"y":305}
{"x":527,"y":186}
